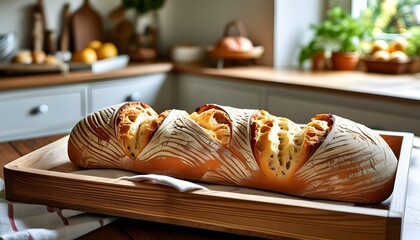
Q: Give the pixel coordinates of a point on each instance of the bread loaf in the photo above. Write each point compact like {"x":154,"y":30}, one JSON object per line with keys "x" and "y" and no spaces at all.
{"x":329,"y":158}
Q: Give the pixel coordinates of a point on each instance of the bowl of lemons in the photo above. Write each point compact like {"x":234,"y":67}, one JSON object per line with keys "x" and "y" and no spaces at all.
{"x":98,"y":57}
{"x":388,"y":57}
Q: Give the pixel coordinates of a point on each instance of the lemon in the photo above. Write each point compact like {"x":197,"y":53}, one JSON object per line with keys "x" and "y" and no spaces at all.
{"x":379,"y":45}
{"x":381,"y":56}
{"x":107,"y":50}
{"x":399,"y":44}
{"x":398,"y":56}
{"x":86,"y":55}
{"x":95,"y":44}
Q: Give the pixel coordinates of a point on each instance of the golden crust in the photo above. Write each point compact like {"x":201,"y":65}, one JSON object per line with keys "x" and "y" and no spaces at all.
{"x":281,"y":147}
{"x":215,"y":122}
{"x":132,"y":127}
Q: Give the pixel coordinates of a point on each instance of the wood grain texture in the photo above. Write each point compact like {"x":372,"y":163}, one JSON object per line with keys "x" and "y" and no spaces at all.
{"x":8,"y":154}
{"x":125,"y":228}
{"x":248,"y":214}
{"x":28,"y":145}
{"x":12,"y":150}
{"x":86,"y":26}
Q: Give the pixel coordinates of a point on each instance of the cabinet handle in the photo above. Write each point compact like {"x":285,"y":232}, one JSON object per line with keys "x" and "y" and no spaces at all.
{"x":134,"y":97}
{"x":41,"y":109}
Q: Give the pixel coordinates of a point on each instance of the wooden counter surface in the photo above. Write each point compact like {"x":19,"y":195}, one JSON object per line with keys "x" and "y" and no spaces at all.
{"x":43,"y":80}
{"x":404,"y":88}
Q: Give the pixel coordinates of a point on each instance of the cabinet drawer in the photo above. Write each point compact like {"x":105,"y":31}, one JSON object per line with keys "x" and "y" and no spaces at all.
{"x":195,"y":91}
{"x":139,"y":89}
{"x":30,"y":113}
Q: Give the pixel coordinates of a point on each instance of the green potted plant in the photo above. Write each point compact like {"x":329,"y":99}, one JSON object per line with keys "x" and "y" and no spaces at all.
{"x":140,"y":42}
{"x":315,"y":50}
{"x":147,"y":39}
{"x":340,"y":35}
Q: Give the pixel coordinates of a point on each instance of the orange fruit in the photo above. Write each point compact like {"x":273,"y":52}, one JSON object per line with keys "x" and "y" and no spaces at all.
{"x":95,"y":44}
{"x":38,"y":56}
{"x":86,"y":55}
{"x":107,"y":50}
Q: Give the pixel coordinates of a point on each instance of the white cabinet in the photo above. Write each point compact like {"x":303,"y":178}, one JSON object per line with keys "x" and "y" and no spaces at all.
{"x":194,"y":91}
{"x":145,"y":89}
{"x":301,"y":105}
{"x":37,"y":112}
{"x":45,"y":111}
{"x":51,"y":110}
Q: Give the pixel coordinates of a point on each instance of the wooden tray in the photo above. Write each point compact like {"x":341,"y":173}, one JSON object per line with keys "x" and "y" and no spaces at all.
{"x":46,"y":176}
{"x":252,"y":54}
{"x":34,"y":68}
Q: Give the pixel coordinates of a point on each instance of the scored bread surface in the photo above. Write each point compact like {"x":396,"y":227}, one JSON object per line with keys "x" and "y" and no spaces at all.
{"x":328,"y":158}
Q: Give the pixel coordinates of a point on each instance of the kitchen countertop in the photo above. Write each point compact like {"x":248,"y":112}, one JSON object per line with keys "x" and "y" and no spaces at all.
{"x":124,"y":228}
{"x":405,"y":88}
{"x":41,"y":80}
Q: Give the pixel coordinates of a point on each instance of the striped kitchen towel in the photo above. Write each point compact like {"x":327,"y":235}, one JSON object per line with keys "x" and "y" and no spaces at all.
{"x":32,"y":221}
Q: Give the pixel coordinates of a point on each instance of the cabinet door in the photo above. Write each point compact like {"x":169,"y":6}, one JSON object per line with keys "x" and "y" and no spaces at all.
{"x":145,"y":89}
{"x":40,"y":112}
{"x":300,"y":106}
{"x":194,"y":91}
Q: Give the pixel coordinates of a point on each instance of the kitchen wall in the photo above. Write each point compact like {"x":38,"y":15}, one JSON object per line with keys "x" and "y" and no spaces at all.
{"x":15,"y":15}
{"x":291,"y":24}
{"x":199,"y":22}
{"x":202,"y":22}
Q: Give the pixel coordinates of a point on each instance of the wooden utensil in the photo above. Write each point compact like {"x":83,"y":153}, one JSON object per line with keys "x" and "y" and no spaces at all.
{"x":122,"y":34}
{"x":86,"y":26}
{"x":49,"y":39}
{"x":64,"y":53}
{"x":37,"y":32}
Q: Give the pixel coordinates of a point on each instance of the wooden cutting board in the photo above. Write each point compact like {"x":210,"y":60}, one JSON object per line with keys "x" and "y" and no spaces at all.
{"x":86,"y":26}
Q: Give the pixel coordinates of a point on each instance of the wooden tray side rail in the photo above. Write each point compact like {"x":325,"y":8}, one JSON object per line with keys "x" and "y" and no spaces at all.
{"x":161,"y":204}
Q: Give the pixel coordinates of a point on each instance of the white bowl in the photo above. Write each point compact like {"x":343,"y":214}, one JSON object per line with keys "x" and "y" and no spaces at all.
{"x":7,"y":46}
{"x":187,"y":54}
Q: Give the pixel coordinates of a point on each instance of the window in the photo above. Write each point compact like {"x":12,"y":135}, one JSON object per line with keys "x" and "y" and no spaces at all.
{"x":389,"y":17}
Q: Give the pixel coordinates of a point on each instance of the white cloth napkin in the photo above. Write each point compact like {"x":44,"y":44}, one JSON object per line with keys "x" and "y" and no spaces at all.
{"x":33,"y":221}
{"x":178,"y":184}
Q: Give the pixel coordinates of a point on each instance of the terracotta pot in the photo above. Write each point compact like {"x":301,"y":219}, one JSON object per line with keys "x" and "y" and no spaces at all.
{"x":415,"y":66}
{"x":319,"y":62}
{"x":344,"y":61}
